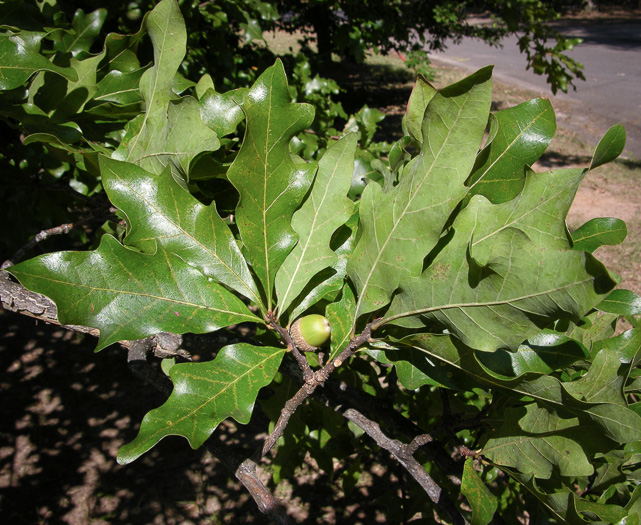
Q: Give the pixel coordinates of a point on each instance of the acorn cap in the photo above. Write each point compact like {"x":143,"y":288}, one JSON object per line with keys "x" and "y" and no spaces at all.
{"x":310,"y":332}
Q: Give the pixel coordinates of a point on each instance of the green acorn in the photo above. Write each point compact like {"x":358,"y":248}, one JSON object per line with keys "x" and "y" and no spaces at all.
{"x":310,"y":332}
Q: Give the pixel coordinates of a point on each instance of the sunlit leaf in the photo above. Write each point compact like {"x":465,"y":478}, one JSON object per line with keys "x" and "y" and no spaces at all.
{"x":602,"y":231}
{"x":518,"y":137}
{"x":623,"y":302}
{"x":20,"y":58}
{"x":325,"y":210}
{"x":610,"y":146}
{"x":160,"y":212}
{"x":506,"y":291}
{"x":270,"y":183}
{"x":400,"y":227}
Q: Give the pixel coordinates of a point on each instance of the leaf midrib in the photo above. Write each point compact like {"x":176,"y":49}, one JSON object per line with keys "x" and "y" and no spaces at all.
{"x":214,"y":255}
{"x":135,"y":294}
{"x":212,"y":398}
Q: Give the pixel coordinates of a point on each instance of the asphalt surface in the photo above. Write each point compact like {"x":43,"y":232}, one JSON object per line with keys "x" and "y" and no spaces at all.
{"x":611,"y":94}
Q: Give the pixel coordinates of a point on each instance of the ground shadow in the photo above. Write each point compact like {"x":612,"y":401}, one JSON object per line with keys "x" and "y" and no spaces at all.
{"x":67,"y":410}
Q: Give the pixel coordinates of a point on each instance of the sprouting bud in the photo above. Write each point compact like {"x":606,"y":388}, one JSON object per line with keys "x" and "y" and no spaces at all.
{"x":310,"y":332}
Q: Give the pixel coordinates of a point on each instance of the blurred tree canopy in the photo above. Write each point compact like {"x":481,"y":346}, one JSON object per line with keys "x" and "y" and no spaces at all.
{"x":225,"y":35}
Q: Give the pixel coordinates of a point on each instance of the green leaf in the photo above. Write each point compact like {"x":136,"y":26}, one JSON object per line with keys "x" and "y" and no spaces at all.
{"x":20,"y":58}
{"x":421,"y":95}
{"x":205,"y":394}
{"x":271,"y":185}
{"x":560,"y":504}
{"x":415,"y":368}
{"x":86,"y":27}
{"x":626,"y":346}
{"x":159,"y":211}
{"x":119,"y":88}
{"x":174,"y":138}
{"x":328,"y":283}
{"x":170,"y":132}
{"x":457,"y":366}
{"x":518,"y":137}
{"x":606,"y":513}
{"x":222,"y":112}
{"x":609,"y":147}
{"x":482,"y":501}
{"x":602,"y":383}
{"x":80,"y":91}
{"x":340,"y":315}
{"x":544,"y":353}
{"x":130,"y":295}
{"x":325,"y":210}
{"x":503,"y":293}
{"x":622,"y":302}
{"x":537,"y":441}
{"x":602,"y":231}
{"x":400,"y":227}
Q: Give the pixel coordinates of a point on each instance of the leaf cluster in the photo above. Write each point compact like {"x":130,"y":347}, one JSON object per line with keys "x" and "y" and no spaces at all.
{"x":466,"y":317}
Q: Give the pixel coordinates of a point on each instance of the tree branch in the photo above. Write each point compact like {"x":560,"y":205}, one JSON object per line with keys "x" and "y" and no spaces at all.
{"x":291,"y":345}
{"x":16,"y":298}
{"x":311,"y":383}
{"x":404,"y":455}
{"x":43,"y":235}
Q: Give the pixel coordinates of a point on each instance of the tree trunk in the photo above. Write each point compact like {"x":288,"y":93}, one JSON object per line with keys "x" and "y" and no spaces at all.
{"x":321,"y":20}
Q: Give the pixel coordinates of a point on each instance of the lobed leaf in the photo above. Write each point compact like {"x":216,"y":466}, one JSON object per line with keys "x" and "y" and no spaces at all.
{"x":544,"y":353}
{"x":130,"y":295}
{"x":517,"y":138}
{"x":86,"y":28}
{"x":482,"y":501}
{"x":537,"y":441}
{"x":170,"y":131}
{"x":161,"y":212}
{"x":400,"y":227}
{"x":505,"y":292}
{"x":205,"y":394}
{"x":20,"y":58}
{"x":271,"y":185}
{"x":603,"y":383}
{"x":323,"y":212}
{"x":453,"y":365}
{"x":222,"y":112}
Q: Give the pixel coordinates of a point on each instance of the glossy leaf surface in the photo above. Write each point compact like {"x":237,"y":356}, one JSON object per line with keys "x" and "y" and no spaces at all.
{"x":602,"y":231}
{"x":324,"y":211}
{"x":270,"y":184}
{"x":161,"y":212}
{"x":205,"y":394}
{"x":20,"y":58}
{"x":609,"y":147}
{"x":130,"y":295}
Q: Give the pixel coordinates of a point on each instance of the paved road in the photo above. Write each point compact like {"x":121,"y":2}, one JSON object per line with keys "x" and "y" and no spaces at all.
{"x":611,"y":54}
